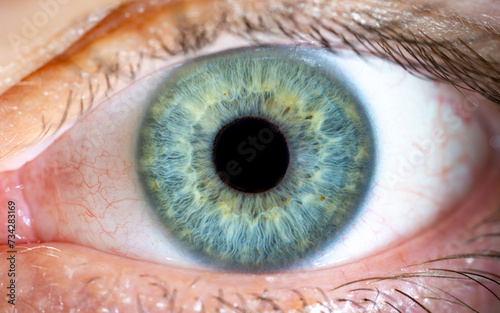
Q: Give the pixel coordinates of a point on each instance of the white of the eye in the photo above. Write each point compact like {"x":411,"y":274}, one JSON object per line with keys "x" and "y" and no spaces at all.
{"x":430,"y":146}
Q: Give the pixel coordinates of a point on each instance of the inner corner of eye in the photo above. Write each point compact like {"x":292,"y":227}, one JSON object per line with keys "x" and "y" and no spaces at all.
{"x":254,"y":159}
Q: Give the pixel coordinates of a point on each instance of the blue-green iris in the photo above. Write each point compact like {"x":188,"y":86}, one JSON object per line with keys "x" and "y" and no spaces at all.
{"x":330,"y":143}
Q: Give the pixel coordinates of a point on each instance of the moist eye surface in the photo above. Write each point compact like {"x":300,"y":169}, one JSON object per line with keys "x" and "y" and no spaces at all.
{"x":255,"y":158}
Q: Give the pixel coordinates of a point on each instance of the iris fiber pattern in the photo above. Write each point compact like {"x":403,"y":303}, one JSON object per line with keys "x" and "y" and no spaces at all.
{"x":331,"y":161}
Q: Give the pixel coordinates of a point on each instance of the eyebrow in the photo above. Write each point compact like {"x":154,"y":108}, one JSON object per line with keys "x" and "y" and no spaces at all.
{"x":422,"y":40}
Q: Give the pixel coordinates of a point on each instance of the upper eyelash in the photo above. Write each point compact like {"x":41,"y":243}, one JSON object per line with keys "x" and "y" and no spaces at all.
{"x":454,"y":62}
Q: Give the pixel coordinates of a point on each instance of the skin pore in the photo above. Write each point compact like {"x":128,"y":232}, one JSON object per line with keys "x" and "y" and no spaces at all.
{"x":452,"y":267}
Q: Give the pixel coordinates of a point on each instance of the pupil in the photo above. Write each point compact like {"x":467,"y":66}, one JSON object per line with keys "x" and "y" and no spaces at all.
{"x":251,"y":155}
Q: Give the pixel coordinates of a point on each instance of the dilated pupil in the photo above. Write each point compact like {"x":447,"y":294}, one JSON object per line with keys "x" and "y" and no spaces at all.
{"x":251,"y":155}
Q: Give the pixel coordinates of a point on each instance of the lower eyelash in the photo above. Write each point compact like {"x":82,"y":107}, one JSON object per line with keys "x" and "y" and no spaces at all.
{"x":422,"y":290}
{"x":422,"y":287}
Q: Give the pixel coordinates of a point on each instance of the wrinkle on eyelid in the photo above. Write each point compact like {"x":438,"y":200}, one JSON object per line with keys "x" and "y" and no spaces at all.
{"x":36,"y":31}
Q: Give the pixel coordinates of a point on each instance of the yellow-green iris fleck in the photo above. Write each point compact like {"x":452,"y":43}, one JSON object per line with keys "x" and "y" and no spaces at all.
{"x":330,"y":143}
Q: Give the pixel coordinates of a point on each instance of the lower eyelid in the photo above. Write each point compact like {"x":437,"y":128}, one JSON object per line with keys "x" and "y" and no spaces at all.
{"x":93,"y":280}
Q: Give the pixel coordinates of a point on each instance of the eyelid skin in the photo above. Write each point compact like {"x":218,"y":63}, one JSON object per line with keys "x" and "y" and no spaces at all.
{"x":74,"y":82}
{"x":94,"y":69}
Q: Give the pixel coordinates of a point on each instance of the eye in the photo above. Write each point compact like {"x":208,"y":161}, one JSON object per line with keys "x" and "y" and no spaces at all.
{"x":94,"y":196}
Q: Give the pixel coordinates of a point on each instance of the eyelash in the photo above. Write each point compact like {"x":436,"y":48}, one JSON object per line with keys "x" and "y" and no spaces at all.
{"x":454,"y":62}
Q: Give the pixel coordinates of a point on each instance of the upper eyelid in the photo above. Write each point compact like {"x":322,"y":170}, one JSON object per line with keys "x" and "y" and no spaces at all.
{"x":359,"y":31}
{"x":359,"y":22}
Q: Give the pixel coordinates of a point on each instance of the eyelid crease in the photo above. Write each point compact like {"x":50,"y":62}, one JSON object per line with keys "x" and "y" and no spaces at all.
{"x":86,"y":76}
{"x":41,"y":30}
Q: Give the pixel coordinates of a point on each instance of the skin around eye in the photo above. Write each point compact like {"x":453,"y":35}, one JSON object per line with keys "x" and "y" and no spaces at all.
{"x":76,"y":277}
{"x":36,"y":31}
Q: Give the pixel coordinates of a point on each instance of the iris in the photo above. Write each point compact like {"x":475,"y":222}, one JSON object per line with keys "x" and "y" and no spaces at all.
{"x":255,"y":158}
